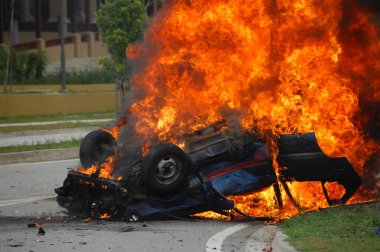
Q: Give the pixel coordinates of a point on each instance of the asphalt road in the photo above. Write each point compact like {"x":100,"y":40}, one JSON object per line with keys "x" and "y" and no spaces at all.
{"x":27,"y":196}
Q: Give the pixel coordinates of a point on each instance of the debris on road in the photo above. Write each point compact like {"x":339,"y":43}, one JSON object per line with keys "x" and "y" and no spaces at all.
{"x":268,"y":248}
{"x":41,"y":231}
{"x":33,"y":225}
{"x":16,"y":244}
{"x":128,"y":229}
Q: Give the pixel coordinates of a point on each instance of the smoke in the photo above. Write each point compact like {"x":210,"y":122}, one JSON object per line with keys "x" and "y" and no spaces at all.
{"x":360,"y":60}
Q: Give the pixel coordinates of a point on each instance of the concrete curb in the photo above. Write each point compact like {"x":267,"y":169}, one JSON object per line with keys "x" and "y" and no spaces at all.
{"x":39,"y":155}
{"x":280,"y":243}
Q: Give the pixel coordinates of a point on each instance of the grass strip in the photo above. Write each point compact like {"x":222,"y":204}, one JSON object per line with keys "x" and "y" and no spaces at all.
{"x":49,"y":145}
{"x":26,"y":92}
{"x":52,"y":126}
{"x":57,"y":117}
{"x":345,"y":228}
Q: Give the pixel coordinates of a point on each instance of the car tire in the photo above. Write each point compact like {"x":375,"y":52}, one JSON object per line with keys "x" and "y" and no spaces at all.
{"x":165,"y":169}
{"x":96,"y":147}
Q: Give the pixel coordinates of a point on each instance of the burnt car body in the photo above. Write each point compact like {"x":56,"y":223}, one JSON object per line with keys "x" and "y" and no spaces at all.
{"x":176,"y":183}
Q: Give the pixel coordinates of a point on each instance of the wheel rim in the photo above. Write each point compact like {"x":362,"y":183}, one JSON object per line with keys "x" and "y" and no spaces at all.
{"x":168,"y":169}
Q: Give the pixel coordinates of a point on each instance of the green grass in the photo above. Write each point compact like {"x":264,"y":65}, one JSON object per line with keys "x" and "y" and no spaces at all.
{"x":346,"y":228}
{"x":57,"y":117}
{"x":26,"y":92}
{"x":49,"y":145}
{"x":52,"y":126}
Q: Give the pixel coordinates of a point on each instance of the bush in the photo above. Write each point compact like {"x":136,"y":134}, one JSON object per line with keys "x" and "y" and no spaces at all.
{"x":25,"y":65}
{"x":83,"y":77}
{"x":29,"y":68}
{"x":91,"y":77}
{"x":3,"y":63}
{"x":3,"y":59}
{"x":35,"y":65}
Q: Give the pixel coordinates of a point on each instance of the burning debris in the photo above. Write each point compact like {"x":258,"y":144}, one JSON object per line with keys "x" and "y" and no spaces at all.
{"x":41,"y":231}
{"x":229,"y":90}
{"x":33,"y":225}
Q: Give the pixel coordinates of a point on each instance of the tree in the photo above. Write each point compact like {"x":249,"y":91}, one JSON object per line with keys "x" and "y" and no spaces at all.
{"x":120,"y":22}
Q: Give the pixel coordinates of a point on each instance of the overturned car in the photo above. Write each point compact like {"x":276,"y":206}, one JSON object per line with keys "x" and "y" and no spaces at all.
{"x":172,"y":182}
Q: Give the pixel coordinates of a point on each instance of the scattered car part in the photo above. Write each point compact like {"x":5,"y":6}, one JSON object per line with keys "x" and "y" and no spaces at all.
{"x":96,"y":147}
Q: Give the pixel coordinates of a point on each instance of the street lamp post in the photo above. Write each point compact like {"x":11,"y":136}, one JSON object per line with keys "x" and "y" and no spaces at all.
{"x":62,"y":35}
{"x":8,"y":72}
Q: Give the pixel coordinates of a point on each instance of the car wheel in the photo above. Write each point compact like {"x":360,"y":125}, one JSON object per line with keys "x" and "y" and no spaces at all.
{"x":96,"y":147}
{"x":165,"y":169}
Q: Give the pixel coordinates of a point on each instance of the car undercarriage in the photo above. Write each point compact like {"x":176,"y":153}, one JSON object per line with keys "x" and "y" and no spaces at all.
{"x":169,"y":182}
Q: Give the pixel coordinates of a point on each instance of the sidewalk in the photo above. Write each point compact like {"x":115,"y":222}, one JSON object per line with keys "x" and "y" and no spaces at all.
{"x":34,"y":137}
{"x":45,"y":136}
{"x":42,"y":136}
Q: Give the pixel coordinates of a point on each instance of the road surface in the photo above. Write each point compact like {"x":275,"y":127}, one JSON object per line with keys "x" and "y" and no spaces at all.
{"x":27,"y":196}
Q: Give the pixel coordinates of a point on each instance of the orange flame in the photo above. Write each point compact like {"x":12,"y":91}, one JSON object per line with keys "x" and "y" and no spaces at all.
{"x":105,"y":169}
{"x":281,"y":67}
{"x":105,"y":216}
{"x":115,"y":130}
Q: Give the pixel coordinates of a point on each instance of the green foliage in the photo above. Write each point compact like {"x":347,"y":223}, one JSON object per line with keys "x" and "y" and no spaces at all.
{"x":91,"y":77}
{"x":19,"y":66}
{"x":25,"y":65}
{"x":108,"y":65}
{"x":121,"y":22}
{"x":57,"y":117}
{"x":82,"y":77}
{"x":3,"y":58}
{"x":345,"y":228}
{"x":36,"y":64}
{"x":3,"y":63}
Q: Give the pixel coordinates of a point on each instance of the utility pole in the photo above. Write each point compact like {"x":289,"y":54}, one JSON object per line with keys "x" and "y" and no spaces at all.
{"x":2,"y":11}
{"x":8,"y":72}
{"x":62,"y":35}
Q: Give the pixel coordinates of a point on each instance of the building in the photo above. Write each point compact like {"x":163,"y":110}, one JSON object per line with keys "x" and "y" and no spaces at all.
{"x":36,"y":26}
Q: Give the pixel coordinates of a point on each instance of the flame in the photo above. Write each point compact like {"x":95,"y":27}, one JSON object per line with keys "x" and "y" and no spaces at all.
{"x":145,"y":148}
{"x":105,"y":216}
{"x":105,"y":169}
{"x":280,"y":67}
{"x":115,"y":130}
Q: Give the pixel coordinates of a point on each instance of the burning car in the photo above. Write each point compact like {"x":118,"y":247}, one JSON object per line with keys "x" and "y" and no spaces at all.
{"x":169,"y":181}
